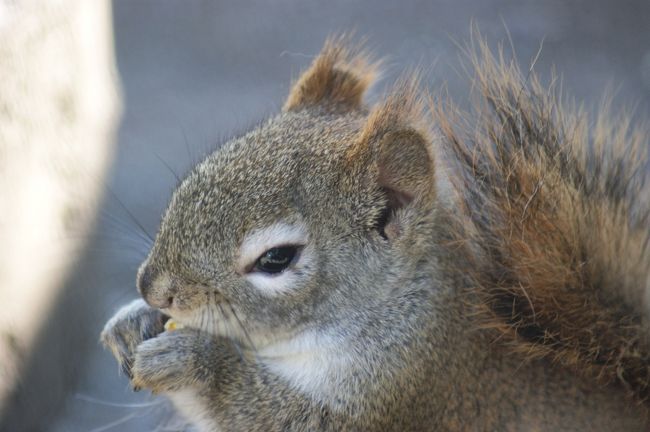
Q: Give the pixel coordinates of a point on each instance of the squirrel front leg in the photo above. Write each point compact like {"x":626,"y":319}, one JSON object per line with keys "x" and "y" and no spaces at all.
{"x":128,"y":328}
{"x":220,"y":388}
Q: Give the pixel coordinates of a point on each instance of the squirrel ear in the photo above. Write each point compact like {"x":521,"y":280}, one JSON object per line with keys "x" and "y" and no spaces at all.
{"x":338,"y":77}
{"x":397,"y":148}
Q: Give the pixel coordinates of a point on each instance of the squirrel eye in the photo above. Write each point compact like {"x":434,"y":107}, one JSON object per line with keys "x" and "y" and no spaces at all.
{"x":276,"y":260}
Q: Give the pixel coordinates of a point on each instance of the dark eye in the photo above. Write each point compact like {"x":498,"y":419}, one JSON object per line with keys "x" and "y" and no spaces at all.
{"x":276,"y":260}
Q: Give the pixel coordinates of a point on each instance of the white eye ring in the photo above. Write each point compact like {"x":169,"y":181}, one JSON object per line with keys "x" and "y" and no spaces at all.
{"x":261,"y":241}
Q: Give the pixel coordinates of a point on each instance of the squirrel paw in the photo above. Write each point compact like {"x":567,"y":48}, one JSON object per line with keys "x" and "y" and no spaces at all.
{"x":169,"y":362}
{"x":129,"y":327}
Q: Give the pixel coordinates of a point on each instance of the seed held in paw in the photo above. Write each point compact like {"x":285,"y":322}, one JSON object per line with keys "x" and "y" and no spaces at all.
{"x":172,"y":325}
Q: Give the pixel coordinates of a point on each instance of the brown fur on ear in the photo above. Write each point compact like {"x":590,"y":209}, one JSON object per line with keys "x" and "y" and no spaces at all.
{"x":396,"y":139}
{"x":337,"y":78}
{"x":556,"y":213}
{"x":392,"y":155}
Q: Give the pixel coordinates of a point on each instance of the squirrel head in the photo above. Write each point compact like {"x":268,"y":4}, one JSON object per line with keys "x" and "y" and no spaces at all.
{"x":308,"y":219}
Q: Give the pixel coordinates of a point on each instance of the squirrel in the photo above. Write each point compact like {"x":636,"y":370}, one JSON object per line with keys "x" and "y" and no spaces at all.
{"x":403,"y":266}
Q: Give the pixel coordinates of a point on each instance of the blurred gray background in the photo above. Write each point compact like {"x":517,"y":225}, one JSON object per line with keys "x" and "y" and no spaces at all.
{"x":195,"y":72}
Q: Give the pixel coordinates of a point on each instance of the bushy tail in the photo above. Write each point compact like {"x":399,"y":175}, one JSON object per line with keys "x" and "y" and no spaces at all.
{"x":555,"y":210}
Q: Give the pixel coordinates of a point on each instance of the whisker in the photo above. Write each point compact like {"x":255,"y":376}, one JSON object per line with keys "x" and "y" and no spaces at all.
{"x":215,"y":321}
{"x":224,"y":320}
{"x":91,"y":399}
{"x":202,"y":320}
{"x":120,"y":225}
{"x":241,"y":326}
{"x":192,"y":158}
{"x":131,"y":215}
{"x":171,"y":170}
{"x":235,"y":343}
{"x":210,"y":328}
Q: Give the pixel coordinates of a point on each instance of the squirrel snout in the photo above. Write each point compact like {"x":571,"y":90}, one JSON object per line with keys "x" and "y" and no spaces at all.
{"x":158,"y":295}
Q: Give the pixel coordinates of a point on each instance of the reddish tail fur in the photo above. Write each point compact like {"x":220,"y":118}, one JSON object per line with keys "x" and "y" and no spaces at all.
{"x":556,"y":211}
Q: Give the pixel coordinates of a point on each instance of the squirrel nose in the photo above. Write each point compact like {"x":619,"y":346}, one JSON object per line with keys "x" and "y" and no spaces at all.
{"x":155,"y":295}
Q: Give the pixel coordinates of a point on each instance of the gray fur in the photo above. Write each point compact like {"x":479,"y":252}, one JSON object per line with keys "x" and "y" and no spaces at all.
{"x":393,"y":309}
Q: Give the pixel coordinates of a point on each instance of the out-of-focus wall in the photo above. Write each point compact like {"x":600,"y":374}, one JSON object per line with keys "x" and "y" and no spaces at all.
{"x":58,"y":106}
